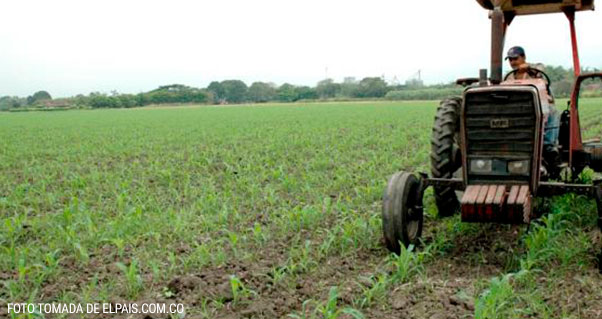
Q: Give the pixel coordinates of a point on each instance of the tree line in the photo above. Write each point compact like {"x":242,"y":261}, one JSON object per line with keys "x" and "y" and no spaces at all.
{"x":237,"y":91}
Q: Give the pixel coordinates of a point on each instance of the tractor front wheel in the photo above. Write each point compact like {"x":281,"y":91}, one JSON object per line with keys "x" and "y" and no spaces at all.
{"x":402,"y":211}
{"x":446,"y":158}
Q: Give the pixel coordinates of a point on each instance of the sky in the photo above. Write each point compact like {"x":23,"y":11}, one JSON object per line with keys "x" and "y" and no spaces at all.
{"x":131,"y":46}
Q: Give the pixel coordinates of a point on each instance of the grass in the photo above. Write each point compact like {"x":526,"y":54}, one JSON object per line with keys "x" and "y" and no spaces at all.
{"x":263,"y":204}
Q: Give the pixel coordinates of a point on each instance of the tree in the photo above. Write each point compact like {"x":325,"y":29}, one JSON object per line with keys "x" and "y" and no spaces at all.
{"x":217,"y":90}
{"x":175,"y":93}
{"x":349,"y":87}
{"x":38,"y":96}
{"x":8,"y":102}
{"x":557,"y":73}
{"x":286,"y":93}
{"x":42,"y":95}
{"x":327,"y":88}
{"x":414,"y":83}
{"x":174,"y":88}
{"x":561,"y":88}
{"x":98,"y":100}
{"x":261,"y":92}
{"x":235,"y":91}
{"x":127,"y":100}
{"x":372,"y":87}
{"x":306,"y":93}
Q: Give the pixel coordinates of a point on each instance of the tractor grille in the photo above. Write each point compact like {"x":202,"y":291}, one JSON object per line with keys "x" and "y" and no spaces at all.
{"x":500,"y":125}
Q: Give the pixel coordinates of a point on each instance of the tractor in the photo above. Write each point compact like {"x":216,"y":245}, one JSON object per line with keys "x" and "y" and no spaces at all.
{"x":488,"y":161}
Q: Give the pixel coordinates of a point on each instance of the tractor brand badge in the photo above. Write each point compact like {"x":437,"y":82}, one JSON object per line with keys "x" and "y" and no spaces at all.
{"x":499,"y":123}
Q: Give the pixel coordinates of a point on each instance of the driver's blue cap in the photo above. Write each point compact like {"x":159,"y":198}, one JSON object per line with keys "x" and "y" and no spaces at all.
{"x":515,"y":52}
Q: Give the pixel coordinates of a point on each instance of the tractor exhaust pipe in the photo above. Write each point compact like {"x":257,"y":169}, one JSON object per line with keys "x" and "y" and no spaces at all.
{"x":498,"y":32}
{"x":483,"y":78}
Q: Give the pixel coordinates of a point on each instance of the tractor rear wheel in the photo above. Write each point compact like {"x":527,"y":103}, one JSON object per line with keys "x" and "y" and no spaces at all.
{"x":446,"y":157}
{"x":402,"y":211}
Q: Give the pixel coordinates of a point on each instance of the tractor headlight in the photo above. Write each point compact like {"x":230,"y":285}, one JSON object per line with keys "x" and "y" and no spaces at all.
{"x":480,"y":166}
{"x":518,"y":167}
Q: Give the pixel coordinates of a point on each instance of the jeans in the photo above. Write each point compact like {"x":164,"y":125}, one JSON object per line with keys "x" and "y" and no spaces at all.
{"x":550,"y":137}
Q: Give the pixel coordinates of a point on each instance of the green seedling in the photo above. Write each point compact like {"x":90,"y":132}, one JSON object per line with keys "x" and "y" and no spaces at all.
{"x":133,"y":279}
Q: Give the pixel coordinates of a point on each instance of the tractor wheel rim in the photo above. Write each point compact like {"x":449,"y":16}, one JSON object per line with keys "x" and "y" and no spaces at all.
{"x":412,"y":225}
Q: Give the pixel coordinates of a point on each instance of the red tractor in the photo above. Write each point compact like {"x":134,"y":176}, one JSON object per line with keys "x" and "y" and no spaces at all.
{"x":489,"y":144}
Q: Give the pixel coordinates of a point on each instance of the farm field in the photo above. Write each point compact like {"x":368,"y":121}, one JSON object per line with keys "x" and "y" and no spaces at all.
{"x":265,"y":212}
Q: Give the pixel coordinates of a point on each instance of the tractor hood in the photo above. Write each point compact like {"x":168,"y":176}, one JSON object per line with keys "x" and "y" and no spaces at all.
{"x":522,"y":7}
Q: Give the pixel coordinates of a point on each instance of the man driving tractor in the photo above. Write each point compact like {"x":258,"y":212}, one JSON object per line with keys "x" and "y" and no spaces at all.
{"x":523,"y":71}
{"x":518,"y":61}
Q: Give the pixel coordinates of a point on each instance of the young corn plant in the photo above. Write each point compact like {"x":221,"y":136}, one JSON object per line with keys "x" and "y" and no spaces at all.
{"x":375,"y":292}
{"x":278,"y":274}
{"x":331,"y":310}
{"x":233,"y":239}
{"x":405,"y":264}
{"x":301,"y":259}
{"x":497,"y":301}
{"x":81,"y":252}
{"x":239,"y":290}
{"x":120,"y":245}
{"x":328,"y":309}
{"x":133,"y":280}
{"x":259,"y":235}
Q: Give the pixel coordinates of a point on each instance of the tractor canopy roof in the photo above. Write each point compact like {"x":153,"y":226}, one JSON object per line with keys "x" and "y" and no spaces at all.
{"x":522,"y":7}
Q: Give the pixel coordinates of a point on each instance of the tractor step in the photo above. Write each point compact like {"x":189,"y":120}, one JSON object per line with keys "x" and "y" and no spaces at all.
{"x":507,"y":204}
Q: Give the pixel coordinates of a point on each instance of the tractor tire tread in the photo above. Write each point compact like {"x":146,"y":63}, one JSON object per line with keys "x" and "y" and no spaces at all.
{"x":442,"y":154}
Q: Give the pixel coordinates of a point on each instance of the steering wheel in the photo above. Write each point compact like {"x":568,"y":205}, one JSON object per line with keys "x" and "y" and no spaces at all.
{"x":533,"y":72}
